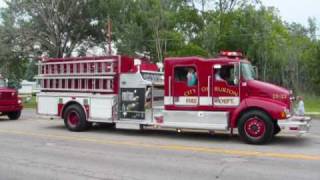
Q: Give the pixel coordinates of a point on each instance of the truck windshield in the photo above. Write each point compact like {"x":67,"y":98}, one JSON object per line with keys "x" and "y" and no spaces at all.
{"x":2,"y":83}
{"x":248,"y":72}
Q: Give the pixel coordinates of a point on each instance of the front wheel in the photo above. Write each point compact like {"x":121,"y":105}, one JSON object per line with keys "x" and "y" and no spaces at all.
{"x":276,"y":129}
{"x":75,"y":118}
{"x":256,"y":127}
{"x":14,"y":115}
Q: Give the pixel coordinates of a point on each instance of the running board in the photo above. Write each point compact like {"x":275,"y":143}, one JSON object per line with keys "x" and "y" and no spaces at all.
{"x":130,"y":126}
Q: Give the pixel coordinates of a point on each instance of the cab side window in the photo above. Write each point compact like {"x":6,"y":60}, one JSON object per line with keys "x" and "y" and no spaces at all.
{"x":186,"y":74}
{"x":226,"y":73}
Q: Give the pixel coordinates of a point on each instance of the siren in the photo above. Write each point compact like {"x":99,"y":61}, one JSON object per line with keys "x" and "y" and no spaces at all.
{"x":231,"y":54}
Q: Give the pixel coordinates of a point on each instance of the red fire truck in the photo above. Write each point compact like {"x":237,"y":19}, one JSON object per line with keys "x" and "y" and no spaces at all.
{"x":10,"y":103}
{"x":219,"y":94}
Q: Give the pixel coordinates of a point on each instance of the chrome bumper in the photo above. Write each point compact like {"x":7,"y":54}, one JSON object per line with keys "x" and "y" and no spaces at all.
{"x":296,"y":125}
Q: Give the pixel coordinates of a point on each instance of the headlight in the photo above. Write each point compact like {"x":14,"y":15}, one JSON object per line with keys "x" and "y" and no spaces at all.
{"x":285,"y":113}
{"x":19,"y":101}
{"x":288,"y":113}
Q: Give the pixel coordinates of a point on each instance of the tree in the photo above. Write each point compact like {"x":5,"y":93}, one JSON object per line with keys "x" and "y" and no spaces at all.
{"x":12,"y":60}
{"x":57,"y":27}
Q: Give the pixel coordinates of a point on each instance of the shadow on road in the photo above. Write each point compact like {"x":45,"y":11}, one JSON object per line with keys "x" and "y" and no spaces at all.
{"x":105,"y":129}
{"x":204,"y":137}
{"x":152,"y":133}
{"x":291,"y":141}
{"x":4,"y":118}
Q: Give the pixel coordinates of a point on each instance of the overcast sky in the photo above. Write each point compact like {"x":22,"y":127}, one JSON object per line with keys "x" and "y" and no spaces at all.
{"x":296,"y":10}
{"x":289,"y":10}
{"x":2,"y":3}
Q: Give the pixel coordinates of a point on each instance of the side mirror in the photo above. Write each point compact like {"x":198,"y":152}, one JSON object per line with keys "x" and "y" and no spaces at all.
{"x":256,"y":72}
{"x":236,"y":74}
{"x":137,"y":63}
{"x":6,"y":81}
{"x":160,"y":66}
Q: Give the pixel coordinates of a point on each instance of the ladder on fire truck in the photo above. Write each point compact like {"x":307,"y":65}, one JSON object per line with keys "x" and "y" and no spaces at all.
{"x":78,"y":75}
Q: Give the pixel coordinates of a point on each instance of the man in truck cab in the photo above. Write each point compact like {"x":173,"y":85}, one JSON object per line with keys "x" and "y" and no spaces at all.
{"x":226,"y":73}
{"x":218,"y":76}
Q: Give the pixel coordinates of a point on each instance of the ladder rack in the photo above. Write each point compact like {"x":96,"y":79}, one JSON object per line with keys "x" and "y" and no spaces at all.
{"x":78,"y":75}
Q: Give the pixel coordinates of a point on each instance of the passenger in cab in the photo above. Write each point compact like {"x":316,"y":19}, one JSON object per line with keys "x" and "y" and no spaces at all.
{"x":218,"y":76}
{"x":191,"y":77}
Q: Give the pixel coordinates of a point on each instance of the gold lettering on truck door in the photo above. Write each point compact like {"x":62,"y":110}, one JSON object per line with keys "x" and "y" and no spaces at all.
{"x":225,"y":90}
{"x":189,"y":92}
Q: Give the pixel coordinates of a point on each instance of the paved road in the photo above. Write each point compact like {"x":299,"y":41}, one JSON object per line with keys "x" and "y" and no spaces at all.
{"x":36,"y":148}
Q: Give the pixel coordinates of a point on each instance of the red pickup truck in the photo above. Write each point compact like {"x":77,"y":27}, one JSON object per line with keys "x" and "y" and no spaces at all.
{"x":10,"y":103}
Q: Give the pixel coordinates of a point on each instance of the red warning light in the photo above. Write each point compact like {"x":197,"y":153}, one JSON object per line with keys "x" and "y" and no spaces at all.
{"x":233,"y":54}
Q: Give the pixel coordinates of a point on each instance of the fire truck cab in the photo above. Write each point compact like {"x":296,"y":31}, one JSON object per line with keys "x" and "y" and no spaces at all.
{"x":10,"y":103}
{"x":218,"y":94}
{"x":226,"y":95}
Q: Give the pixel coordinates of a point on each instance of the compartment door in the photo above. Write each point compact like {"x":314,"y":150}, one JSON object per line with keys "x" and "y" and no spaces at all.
{"x":185,"y":86}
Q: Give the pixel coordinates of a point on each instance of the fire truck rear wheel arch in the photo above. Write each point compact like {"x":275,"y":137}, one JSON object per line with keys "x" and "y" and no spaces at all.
{"x":80,"y":122}
{"x":70,"y":103}
{"x":256,"y":127}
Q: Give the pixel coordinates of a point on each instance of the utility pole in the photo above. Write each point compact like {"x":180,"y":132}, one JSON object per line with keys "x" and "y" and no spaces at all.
{"x":108,"y":35}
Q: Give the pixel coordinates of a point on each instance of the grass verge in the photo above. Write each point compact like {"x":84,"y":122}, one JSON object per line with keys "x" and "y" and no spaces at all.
{"x":312,"y":103}
{"x":29,"y":102}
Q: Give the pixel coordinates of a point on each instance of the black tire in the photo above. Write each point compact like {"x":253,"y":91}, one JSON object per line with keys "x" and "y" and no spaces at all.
{"x":276,"y":129}
{"x":14,"y":115}
{"x":75,"y":118}
{"x":256,"y":127}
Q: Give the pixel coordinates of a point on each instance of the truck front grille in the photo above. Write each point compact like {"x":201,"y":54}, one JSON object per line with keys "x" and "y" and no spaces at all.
{"x":6,"y":95}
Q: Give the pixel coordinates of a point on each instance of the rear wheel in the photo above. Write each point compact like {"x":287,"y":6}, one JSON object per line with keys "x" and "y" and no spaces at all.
{"x":14,"y":115}
{"x":256,"y":127}
{"x":75,"y":118}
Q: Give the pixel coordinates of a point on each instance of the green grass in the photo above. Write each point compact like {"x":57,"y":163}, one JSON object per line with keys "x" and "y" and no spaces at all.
{"x":312,"y":103}
{"x":29,"y":103}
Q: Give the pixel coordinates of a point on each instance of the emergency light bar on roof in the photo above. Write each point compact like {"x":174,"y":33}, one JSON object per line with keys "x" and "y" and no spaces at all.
{"x":233,"y":54}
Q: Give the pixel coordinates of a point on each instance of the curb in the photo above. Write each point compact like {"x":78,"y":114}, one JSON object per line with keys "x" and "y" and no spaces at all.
{"x":313,"y":114}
